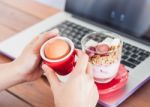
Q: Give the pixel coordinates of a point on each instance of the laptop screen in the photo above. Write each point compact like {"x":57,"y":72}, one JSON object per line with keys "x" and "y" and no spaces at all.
{"x":128,"y":16}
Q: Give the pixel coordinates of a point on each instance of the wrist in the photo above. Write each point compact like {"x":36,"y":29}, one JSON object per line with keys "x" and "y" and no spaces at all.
{"x":17,"y":68}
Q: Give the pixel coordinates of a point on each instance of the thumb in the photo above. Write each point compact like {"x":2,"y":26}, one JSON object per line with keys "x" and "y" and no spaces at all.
{"x":51,"y":76}
{"x":81,"y":65}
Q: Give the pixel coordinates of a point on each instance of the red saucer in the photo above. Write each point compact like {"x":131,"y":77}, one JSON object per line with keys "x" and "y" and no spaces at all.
{"x":117,"y":83}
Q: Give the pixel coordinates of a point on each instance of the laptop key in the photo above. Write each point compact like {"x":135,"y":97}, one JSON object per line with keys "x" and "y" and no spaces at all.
{"x":146,"y":52}
{"x":134,"y":50}
{"x":124,"y":57}
{"x":134,"y":56}
{"x":143,"y":54}
{"x":79,"y":27}
{"x":127,"y":53}
{"x":141,"y":58}
{"x":128,"y":48}
{"x":82,"y":33}
{"x":73,"y":34}
{"x":78,"y":46}
{"x":133,"y":61}
{"x":70,"y":29}
{"x":128,"y":64}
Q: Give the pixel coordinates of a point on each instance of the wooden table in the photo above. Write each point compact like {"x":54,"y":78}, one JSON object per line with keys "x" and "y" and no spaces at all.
{"x":17,"y":15}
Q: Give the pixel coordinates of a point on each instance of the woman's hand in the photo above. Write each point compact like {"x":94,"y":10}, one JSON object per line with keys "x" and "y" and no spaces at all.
{"x":28,"y":63}
{"x":79,"y":90}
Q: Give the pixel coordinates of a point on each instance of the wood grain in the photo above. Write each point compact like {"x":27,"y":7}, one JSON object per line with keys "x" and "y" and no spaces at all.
{"x":37,"y":93}
{"x":141,"y":98}
{"x":8,"y":100}
{"x":16,"y":19}
{"x":29,"y":6}
{"x":5,"y":32}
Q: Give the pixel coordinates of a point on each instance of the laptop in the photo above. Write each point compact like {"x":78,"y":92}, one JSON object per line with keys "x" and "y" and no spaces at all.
{"x":130,"y":19}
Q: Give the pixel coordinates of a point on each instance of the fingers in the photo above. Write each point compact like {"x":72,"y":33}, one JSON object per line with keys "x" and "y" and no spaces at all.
{"x":81,"y":64}
{"x":50,"y":34}
{"x":89,"y":71}
{"x":89,"y":66}
{"x":78,"y":52}
{"x":41,"y":39}
{"x":46,"y":36}
{"x":94,"y":96}
{"x":51,"y":76}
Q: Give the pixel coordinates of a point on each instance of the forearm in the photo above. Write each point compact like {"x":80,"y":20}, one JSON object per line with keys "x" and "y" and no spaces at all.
{"x":9,"y":75}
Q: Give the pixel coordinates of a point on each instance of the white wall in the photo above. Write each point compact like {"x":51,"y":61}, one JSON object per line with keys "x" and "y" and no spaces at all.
{"x":55,"y":3}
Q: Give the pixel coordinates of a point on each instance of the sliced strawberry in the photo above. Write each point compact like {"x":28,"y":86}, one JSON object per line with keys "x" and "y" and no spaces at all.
{"x":90,"y":51}
{"x":102,"y":48}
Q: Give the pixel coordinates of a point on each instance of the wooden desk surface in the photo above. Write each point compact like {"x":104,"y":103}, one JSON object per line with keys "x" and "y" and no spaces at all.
{"x":17,"y":15}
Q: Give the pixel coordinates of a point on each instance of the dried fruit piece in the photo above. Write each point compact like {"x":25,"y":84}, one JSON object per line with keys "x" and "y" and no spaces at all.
{"x":90,"y":51}
{"x":92,"y":48}
{"x":102,"y":48}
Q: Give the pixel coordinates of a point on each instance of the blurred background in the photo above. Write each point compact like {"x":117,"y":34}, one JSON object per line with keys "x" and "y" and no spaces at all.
{"x":54,"y":3}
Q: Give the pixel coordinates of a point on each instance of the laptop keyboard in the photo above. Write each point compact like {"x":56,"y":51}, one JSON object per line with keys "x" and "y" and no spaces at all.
{"x":131,"y":56}
{"x":74,"y":32}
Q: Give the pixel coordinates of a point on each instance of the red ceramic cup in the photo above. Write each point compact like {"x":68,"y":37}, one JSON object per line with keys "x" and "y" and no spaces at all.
{"x":64,"y":65}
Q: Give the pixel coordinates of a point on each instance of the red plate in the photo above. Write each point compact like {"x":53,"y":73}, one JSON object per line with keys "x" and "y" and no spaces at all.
{"x":117,"y":83}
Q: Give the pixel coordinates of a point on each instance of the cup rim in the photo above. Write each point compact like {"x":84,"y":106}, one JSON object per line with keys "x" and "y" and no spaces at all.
{"x":98,"y":33}
{"x":61,"y":59}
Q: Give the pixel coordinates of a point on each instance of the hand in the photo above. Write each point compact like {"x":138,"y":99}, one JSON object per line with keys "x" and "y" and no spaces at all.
{"x":28,"y":63}
{"x":79,"y":90}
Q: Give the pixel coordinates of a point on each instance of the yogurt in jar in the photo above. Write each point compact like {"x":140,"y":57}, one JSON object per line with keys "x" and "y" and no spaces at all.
{"x":105,"y":58}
